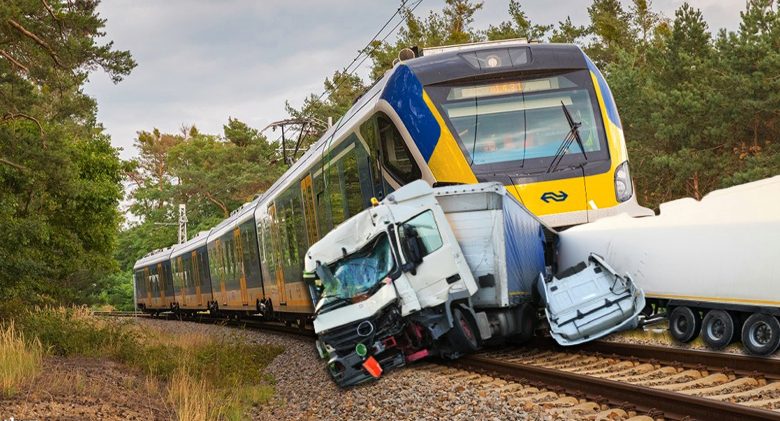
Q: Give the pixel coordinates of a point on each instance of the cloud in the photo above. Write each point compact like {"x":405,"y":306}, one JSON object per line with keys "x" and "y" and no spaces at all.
{"x":200,"y":62}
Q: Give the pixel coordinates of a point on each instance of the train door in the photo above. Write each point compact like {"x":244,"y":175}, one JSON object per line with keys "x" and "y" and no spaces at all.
{"x":276,"y":245}
{"x":222,"y":265}
{"x":196,"y":277}
{"x":309,"y":211}
{"x":148,"y":283}
{"x":239,"y":249}
{"x":180,"y":279}
{"x":161,"y":283}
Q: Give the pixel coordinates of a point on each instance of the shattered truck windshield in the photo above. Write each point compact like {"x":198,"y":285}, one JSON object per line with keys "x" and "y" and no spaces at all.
{"x":357,"y":274}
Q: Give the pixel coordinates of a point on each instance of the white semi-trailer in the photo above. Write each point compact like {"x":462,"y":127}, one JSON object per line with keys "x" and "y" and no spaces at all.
{"x":443,"y":271}
{"x":712,"y":266}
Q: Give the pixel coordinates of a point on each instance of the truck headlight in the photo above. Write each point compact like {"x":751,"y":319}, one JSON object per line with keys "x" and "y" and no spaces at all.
{"x":623,"y":187}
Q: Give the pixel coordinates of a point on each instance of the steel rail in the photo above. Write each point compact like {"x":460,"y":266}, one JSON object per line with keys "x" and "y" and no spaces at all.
{"x":744,"y":365}
{"x":645,"y":399}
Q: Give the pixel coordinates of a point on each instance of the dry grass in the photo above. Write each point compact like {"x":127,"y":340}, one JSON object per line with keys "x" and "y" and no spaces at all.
{"x":202,"y":377}
{"x":193,"y":399}
{"x":20,"y":359}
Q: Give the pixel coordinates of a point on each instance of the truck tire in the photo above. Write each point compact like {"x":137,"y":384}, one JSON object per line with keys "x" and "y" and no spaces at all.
{"x":526,"y":322}
{"x":761,"y":334}
{"x":464,"y":334}
{"x":717,"y":329}
{"x":684,"y":324}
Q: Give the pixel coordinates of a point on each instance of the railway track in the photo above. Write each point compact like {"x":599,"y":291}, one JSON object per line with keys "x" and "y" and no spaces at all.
{"x":601,"y":380}
{"x":226,"y":321}
{"x":666,"y":383}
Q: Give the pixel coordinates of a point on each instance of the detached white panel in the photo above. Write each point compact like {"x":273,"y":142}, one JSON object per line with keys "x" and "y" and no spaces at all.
{"x":724,"y":248}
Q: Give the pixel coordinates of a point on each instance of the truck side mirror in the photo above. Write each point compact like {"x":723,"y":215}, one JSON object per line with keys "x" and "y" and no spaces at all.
{"x":412,"y":247}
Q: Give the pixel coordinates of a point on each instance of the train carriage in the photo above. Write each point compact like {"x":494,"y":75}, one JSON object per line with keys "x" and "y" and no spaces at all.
{"x":153,"y":281}
{"x":504,"y":111}
{"x":191,"y":276}
{"x":234,"y":267}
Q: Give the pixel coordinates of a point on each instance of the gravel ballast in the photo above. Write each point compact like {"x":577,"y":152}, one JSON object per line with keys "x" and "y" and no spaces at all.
{"x":304,"y":390}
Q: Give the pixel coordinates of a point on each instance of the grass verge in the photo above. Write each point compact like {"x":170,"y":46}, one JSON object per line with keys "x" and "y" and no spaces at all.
{"x":20,"y":359}
{"x":206,"y":378}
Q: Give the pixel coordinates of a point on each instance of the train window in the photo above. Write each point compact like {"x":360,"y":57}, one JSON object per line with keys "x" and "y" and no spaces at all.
{"x":369,"y":133}
{"x":352,"y":182}
{"x":523,"y":120}
{"x":395,"y":154}
{"x":335,"y":193}
{"x":251,"y":259}
{"x":323,"y":204}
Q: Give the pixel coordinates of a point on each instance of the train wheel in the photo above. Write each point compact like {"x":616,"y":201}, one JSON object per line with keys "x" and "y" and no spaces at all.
{"x":463,"y":336}
{"x":761,"y":334}
{"x":684,"y":324}
{"x":717,"y":329}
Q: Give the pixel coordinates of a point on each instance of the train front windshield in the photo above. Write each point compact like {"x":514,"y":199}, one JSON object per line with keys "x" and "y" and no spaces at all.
{"x":518,"y":125}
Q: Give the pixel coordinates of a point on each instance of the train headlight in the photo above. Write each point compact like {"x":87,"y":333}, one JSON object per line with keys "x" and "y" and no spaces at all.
{"x":623,"y":187}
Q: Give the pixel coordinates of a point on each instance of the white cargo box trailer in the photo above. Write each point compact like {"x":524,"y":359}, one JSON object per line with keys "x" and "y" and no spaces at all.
{"x":712,"y":266}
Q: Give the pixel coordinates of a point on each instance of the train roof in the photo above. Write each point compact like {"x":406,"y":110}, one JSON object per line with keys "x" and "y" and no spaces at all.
{"x":460,"y":62}
{"x":237,"y":217}
{"x":362,"y":108}
{"x":154,"y":257}
{"x":193,"y":243}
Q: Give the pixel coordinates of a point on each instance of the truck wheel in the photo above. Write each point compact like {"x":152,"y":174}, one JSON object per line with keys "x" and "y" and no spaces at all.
{"x":463,"y":336}
{"x":526,"y":320}
{"x":684,"y":324}
{"x":761,"y":334}
{"x":717,"y":329}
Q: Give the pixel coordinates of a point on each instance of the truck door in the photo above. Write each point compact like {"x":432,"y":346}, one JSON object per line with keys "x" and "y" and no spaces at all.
{"x":277,"y":249}
{"x":441,"y":266}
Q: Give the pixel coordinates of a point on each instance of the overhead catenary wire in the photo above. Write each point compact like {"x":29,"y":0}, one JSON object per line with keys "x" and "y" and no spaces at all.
{"x":365,"y":54}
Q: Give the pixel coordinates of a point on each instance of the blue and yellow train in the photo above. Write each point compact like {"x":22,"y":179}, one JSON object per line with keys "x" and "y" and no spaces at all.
{"x":539,"y":118}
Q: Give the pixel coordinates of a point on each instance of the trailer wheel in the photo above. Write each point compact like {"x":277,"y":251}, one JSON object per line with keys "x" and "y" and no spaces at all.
{"x":684,"y":324}
{"x":463,"y":336}
{"x":761,"y":334}
{"x":717,"y":329}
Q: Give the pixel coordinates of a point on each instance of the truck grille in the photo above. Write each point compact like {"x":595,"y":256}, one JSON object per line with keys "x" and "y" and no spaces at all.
{"x":344,"y":338}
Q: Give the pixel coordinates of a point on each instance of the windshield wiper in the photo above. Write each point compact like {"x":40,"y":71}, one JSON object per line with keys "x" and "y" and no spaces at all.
{"x":334,"y":301}
{"x":574,"y":134}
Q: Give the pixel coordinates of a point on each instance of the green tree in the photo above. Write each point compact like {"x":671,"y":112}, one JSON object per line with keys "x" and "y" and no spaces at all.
{"x":568,"y":33}
{"x":451,"y":26}
{"x":60,"y":176}
{"x":611,"y":26}
{"x":519,"y":26}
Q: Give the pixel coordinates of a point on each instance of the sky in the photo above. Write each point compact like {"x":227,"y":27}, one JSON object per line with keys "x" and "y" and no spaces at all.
{"x":201,"y":62}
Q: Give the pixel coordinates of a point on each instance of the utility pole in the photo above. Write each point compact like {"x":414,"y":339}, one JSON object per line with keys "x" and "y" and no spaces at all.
{"x":295,"y":127}
{"x":182,"y":223}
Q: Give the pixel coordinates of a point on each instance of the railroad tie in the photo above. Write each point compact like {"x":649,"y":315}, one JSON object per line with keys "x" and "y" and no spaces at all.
{"x":772,"y":389}
{"x":711,"y":380}
{"x":681,"y":377}
{"x":611,"y":414}
{"x":741,"y":384}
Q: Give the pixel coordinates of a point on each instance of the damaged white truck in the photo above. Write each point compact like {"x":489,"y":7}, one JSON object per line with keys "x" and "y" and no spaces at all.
{"x":445,"y":271}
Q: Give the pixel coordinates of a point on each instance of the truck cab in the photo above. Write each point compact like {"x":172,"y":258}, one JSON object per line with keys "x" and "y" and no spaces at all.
{"x":378,"y":268}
